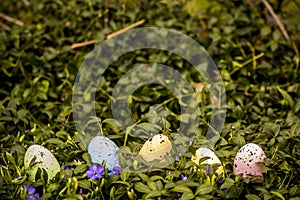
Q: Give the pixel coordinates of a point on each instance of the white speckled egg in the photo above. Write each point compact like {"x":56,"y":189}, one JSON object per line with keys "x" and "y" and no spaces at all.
{"x":213,"y":159}
{"x":206,"y":152}
{"x":44,"y":160}
{"x":248,"y":160}
{"x":155,"y":148}
{"x":103,"y":149}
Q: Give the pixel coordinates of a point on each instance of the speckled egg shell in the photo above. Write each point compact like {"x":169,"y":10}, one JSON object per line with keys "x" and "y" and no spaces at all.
{"x":206,"y":152}
{"x":248,"y":160}
{"x":103,"y":149}
{"x":44,"y":159}
{"x":155,"y":148}
{"x":213,"y":159}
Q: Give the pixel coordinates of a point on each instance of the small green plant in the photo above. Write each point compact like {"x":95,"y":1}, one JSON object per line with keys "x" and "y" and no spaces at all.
{"x":43,"y":43}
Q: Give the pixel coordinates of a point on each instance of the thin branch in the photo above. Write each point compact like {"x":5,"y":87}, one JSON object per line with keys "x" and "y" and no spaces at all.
{"x":4,"y":26}
{"x":10,"y":19}
{"x":277,"y":20}
{"x":125,"y":29}
{"x":82,"y":44}
{"x":26,"y":2}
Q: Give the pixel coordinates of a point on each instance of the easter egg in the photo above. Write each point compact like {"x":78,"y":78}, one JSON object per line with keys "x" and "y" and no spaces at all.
{"x":248,"y":160}
{"x":155,"y":148}
{"x":102,"y":149}
{"x":44,"y":159}
{"x":212,"y":159}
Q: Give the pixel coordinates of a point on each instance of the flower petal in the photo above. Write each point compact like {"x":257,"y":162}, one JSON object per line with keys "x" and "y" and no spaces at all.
{"x":93,"y":168}
{"x":31,"y":190}
{"x":89,"y":173}
{"x":100,"y":169}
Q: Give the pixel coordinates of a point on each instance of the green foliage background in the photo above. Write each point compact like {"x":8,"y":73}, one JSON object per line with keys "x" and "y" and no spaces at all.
{"x":260,"y":70}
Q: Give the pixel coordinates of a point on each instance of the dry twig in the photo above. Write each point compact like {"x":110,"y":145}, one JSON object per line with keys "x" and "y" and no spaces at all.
{"x":10,"y":19}
{"x":81,"y":44}
{"x":276,"y":19}
{"x":125,"y":29}
{"x":5,"y":27}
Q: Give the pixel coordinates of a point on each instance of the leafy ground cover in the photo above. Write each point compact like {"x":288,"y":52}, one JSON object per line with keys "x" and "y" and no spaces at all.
{"x":259,"y":67}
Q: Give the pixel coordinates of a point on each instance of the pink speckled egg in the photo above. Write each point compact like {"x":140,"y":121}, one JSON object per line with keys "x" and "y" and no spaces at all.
{"x":248,"y":160}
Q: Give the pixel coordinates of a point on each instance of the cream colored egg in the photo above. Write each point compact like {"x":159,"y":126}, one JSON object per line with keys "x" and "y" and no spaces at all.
{"x":155,"y":148}
{"x":44,"y":159}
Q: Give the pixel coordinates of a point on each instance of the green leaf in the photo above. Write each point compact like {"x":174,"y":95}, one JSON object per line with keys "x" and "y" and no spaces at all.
{"x":151,"y":185}
{"x":80,"y":169}
{"x":153,"y":194}
{"x":124,"y":175}
{"x":187,"y":195}
{"x":170,"y":185}
{"x":227,"y":184}
{"x":144,"y":177}
{"x":56,"y":141}
{"x":182,"y":189}
{"x":204,"y":189}
{"x":252,"y":197}
{"x":86,"y":184}
{"x":141,"y":187}
{"x":286,"y":97}
{"x":277,"y":194}
{"x":266,"y":30}
{"x":239,"y":140}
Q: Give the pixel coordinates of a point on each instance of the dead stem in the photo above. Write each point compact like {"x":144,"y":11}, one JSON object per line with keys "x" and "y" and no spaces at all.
{"x":277,"y":20}
{"x":10,"y":19}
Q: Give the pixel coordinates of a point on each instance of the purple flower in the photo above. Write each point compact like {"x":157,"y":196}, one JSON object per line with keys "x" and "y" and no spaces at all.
{"x":26,"y":131}
{"x":95,"y":172}
{"x":207,"y":169}
{"x":191,"y":170}
{"x":183,"y":177}
{"x":31,"y":193}
{"x":229,"y":175}
{"x":3,"y":166}
{"x":176,"y":158}
{"x":19,"y":178}
{"x":117,"y":170}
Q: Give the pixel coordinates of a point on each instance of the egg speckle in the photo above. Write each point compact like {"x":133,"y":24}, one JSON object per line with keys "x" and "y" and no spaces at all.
{"x":248,"y":160}
{"x":155,"y":148}
{"x":212,"y":159}
{"x":44,"y":159}
{"x":103,"y":149}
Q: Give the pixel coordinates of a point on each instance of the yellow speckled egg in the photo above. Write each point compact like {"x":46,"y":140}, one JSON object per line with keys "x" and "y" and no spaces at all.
{"x":155,"y":148}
